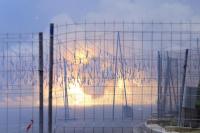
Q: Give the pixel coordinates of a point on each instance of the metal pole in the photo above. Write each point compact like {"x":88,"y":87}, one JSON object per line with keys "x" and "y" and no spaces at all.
{"x":115,"y":81}
{"x":41,"y":82}
{"x":122,"y":64}
{"x":166,"y":85}
{"x":159,"y":84}
{"x":183,"y":86}
{"x":50,"y":78}
{"x":198,"y":52}
{"x":66,"y":93}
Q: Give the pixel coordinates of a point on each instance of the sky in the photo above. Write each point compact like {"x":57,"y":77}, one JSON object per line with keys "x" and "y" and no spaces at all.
{"x":26,"y":16}
{"x":35,"y":15}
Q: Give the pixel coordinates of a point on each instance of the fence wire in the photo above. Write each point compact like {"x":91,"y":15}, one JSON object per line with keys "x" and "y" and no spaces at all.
{"x":110,"y":73}
{"x":18,"y":86}
{"x":106,"y":76}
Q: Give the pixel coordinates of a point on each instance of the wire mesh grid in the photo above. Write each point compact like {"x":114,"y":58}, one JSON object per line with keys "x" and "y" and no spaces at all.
{"x":18,"y":86}
{"x":109,"y":70}
{"x":106,"y":75}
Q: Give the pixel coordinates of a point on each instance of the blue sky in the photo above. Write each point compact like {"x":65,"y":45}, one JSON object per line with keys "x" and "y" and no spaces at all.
{"x":35,"y":15}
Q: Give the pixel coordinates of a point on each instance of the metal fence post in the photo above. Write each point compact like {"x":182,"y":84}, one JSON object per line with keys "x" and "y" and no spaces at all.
{"x":182,"y":87}
{"x":50,"y":78}
{"x":41,"y":82}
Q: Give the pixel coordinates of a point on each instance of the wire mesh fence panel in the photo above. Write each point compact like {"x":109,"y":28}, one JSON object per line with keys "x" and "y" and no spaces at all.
{"x":108,"y":72}
{"x":18,"y":86}
{"x":107,"y":77}
{"x":176,"y":97}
